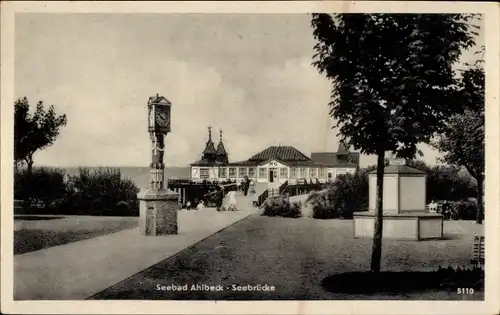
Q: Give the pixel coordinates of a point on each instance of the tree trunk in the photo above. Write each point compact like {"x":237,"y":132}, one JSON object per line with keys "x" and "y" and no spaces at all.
{"x":29,"y":163}
{"x":377,"y":233}
{"x":480,"y":206}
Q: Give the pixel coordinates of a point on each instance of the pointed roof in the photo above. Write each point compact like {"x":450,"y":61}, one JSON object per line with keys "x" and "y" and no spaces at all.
{"x":283,"y":153}
{"x":210,"y":147}
{"x":158,"y":100}
{"x":221,"y":150}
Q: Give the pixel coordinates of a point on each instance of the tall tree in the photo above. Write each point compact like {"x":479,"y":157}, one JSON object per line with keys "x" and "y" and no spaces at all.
{"x":33,"y":132}
{"x":462,"y":142}
{"x":392,"y":80}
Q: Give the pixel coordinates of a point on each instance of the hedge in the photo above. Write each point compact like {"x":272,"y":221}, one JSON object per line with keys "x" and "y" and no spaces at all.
{"x":99,"y":192}
{"x":40,"y":186}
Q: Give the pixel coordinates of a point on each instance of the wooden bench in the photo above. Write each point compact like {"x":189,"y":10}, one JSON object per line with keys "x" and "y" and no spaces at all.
{"x":478,"y":251}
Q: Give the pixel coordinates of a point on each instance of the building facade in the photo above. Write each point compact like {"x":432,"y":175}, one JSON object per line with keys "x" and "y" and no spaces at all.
{"x":276,"y":164}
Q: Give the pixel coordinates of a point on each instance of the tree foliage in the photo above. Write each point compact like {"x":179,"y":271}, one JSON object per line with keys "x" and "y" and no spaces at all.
{"x":33,"y":132}
{"x":392,"y":75}
{"x":393,"y":83}
{"x":462,"y":142}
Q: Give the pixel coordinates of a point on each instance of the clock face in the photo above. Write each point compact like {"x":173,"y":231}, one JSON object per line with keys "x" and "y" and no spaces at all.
{"x":162,"y":119}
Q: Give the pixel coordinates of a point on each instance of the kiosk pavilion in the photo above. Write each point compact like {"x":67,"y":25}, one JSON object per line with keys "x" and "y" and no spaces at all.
{"x":276,"y":164}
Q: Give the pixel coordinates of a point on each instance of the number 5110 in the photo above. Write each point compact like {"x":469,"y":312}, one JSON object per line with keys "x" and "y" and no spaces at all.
{"x":465,"y":291}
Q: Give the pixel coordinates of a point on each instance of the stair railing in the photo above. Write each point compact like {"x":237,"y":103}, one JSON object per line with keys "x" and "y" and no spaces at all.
{"x":262,"y":197}
{"x":282,"y":188}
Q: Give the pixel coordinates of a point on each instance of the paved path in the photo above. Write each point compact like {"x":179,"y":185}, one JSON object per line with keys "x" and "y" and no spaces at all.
{"x":294,"y":256}
{"x":78,"y":270}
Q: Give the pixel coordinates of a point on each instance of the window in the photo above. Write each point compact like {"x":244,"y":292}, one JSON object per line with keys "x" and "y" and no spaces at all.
{"x":313,"y":172}
{"x":204,"y":172}
{"x":262,"y":172}
{"x":293,"y":172}
{"x":251,"y":172}
{"x":222,"y":172}
{"x":322,"y":173}
{"x":303,"y":173}
{"x":242,"y":172}
{"x":283,"y":172}
{"x":232,"y":172}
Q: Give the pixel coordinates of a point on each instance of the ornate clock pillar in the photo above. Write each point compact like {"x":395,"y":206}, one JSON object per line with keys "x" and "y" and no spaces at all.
{"x":158,"y":205}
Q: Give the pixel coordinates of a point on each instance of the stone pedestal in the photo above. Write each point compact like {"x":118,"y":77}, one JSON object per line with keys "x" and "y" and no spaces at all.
{"x":404,"y":213}
{"x":158,"y":212}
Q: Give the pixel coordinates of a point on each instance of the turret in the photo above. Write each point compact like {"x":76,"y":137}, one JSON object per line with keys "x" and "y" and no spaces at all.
{"x":209,"y":153}
{"x":221,"y":154}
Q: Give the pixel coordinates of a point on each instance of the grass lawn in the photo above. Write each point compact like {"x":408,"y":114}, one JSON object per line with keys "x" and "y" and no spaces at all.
{"x":36,"y":232}
{"x":294,"y":256}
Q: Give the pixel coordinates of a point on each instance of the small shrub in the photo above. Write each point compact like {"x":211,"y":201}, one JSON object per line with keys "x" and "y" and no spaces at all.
{"x":467,"y":210}
{"x":459,"y":210}
{"x":322,"y":205}
{"x":282,"y":207}
{"x":294,"y":210}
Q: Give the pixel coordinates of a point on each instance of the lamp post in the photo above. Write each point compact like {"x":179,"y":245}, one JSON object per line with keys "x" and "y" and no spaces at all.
{"x":158,"y":204}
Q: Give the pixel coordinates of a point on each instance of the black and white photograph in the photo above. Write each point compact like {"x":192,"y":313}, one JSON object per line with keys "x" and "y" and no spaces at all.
{"x":223,"y":154}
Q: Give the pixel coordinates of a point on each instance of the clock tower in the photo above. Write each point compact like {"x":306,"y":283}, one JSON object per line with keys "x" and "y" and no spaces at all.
{"x":158,"y":204}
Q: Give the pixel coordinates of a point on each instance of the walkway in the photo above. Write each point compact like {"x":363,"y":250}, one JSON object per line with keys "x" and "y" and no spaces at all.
{"x":81,"y":269}
{"x":293,"y":256}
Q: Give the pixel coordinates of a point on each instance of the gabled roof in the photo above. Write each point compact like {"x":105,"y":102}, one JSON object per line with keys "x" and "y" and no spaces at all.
{"x":331,"y":158}
{"x":158,"y":100}
{"x":284,"y":153}
{"x":325,"y":158}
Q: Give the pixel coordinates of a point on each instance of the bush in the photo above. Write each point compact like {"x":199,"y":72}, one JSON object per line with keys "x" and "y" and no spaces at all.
{"x":40,"y":187}
{"x":467,"y":210}
{"x":459,"y":210}
{"x":322,"y":204}
{"x":346,"y":195}
{"x":281,"y":207}
{"x":102,"y":192}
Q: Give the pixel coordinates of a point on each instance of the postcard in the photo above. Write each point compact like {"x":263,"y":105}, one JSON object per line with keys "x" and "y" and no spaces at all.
{"x":250,"y":157}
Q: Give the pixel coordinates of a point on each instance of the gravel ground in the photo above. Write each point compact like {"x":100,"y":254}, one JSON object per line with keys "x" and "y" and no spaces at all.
{"x":294,"y":256}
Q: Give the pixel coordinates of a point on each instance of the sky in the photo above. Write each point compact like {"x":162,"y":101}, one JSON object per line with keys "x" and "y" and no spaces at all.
{"x":249,"y":75}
